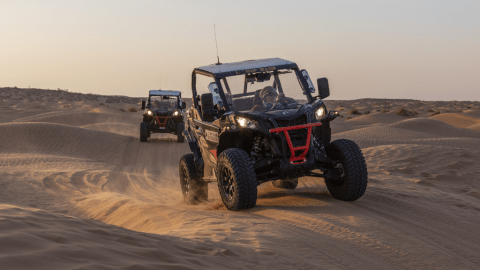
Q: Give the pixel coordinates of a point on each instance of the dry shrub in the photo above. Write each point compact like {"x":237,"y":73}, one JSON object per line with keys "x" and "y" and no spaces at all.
{"x":435,"y":113}
{"x":101,"y":104}
{"x":348,"y":118}
{"x":405,"y":112}
{"x":366,"y":112}
{"x":132,"y":109}
{"x":385,"y":111}
{"x":122,"y":110}
{"x":431,"y":110}
{"x":354,"y":111}
{"x":67,"y":106}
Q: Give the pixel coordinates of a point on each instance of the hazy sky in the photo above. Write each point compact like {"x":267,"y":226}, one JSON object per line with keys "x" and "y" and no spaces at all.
{"x":427,"y":50}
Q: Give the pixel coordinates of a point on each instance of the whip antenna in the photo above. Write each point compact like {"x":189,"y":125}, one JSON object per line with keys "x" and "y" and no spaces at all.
{"x":216,"y":45}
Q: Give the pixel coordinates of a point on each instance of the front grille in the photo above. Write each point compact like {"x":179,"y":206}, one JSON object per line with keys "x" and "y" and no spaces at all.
{"x":161,"y":113}
{"x":298,"y":136}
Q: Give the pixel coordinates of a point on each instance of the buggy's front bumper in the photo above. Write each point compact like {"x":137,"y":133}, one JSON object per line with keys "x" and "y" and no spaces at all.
{"x":301,"y":158}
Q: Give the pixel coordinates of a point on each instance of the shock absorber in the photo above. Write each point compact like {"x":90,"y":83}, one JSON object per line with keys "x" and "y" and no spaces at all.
{"x":256,"y":147}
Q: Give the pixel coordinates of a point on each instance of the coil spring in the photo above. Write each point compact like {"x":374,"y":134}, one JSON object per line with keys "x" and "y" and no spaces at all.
{"x":256,"y":146}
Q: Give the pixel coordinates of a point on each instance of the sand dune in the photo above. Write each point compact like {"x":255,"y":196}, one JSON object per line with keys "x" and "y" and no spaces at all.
{"x":118,"y":128}
{"x":60,"y":139}
{"x":475,"y":127}
{"x":79,"y":191}
{"x":463,"y":120}
{"x":79,"y":118}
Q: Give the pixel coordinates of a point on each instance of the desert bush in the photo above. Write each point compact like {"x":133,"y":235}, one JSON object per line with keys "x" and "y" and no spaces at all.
{"x":348,"y":118}
{"x":405,"y":112}
{"x":435,"y":113}
{"x":354,"y":111}
{"x":366,"y":112}
{"x":132,"y":109}
{"x":122,"y":110}
{"x":385,"y":111}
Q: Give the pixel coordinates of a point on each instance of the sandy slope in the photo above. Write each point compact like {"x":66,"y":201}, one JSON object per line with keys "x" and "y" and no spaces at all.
{"x":79,"y":191}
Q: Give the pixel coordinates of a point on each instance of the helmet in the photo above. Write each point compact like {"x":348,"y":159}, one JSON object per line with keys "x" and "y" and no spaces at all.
{"x":268,"y":94}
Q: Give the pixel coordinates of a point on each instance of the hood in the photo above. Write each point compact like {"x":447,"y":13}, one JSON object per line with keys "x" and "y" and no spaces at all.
{"x":161,"y":113}
{"x":288,"y":114}
{"x":277,"y":115}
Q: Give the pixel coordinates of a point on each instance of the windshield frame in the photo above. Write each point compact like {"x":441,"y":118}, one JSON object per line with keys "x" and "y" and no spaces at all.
{"x":302,"y":81}
{"x":178,"y":100}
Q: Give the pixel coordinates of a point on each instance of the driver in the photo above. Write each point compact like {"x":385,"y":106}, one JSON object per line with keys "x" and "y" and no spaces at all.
{"x":159,"y":105}
{"x":270,"y":100}
{"x":262,"y":97}
{"x":268,"y":94}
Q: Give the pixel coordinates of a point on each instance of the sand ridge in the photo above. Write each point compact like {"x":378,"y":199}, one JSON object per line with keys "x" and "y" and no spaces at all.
{"x":79,"y":191}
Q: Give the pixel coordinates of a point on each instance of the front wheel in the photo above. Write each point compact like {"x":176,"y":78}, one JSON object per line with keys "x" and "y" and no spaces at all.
{"x":237,"y":182}
{"x":348,"y":180}
{"x":194,"y":189}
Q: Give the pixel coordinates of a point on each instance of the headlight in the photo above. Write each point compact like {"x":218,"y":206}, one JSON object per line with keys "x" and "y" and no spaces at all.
{"x":320,"y":113}
{"x":175,"y":113}
{"x":244,"y":122}
{"x":149,"y":112}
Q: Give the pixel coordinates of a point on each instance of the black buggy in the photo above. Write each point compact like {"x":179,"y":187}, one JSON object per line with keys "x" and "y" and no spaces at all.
{"x":278,"y":131}
{"x":163,"y":114}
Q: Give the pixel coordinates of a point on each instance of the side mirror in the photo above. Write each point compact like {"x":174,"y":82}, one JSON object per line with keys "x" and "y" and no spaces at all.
{"x":143,"y":104}
{"x":323,"y":89}
{"x":311,"y":88}
{"x":184,"y":105}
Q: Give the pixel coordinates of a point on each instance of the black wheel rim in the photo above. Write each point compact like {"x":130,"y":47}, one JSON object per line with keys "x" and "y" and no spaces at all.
{"x":340,"y":172}
{"x":228,"y":183}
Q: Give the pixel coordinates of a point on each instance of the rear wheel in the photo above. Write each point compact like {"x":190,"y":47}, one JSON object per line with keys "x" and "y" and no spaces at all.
{"x":143,"y":131}
{"x":286,"y":183}
{"x":180,"y":128}
{"x":348,"y":180}
{"x":237,"y":182}
{"x":194,"y":189}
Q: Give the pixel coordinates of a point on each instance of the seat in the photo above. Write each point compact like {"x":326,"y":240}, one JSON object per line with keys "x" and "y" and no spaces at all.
{"x":257,"y":102}
{"x":208,"y":107}
{"x":242,"y":104}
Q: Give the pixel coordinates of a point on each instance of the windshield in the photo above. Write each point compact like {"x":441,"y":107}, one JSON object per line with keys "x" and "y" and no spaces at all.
{"x":163,"y":103}
{"x":265,"y":92}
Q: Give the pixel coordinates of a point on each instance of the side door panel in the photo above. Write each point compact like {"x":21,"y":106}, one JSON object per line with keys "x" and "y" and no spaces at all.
{"x":207,"y":138}
{"x":208,"y":141}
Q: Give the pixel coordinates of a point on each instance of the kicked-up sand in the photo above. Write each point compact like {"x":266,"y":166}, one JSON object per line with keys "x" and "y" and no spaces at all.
{"x":79,"y":191}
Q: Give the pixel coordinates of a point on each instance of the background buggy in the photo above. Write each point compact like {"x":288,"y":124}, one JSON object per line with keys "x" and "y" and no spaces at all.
{"x":163,"y":114}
